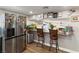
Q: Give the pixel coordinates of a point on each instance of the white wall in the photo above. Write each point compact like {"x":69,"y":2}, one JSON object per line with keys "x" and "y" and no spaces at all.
{"x":68,"y":43}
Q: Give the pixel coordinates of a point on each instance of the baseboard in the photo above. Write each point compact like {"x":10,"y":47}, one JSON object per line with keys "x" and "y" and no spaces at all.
{"x":61,"y":48}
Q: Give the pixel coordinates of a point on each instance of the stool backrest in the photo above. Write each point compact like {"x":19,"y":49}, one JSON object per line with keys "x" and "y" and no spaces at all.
{"x":40,"y":32}
{"x":29,"y":31}
{"x":53,"y":34}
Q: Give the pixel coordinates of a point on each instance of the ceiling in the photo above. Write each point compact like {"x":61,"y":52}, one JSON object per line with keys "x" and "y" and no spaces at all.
{"x":37,"y":9}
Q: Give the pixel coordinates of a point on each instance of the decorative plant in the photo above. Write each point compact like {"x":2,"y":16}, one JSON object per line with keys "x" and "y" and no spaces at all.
{"x":31,"y":26}
{"x":51,"y":26}
{"x":34,"y":26}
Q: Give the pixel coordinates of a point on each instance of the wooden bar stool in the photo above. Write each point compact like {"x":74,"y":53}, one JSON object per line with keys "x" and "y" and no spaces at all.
{"x":40,"y":34}
{"x":53,"y":39}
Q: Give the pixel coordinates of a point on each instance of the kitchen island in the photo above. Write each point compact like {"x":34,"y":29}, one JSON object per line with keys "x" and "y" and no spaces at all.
{"x":61,"y":37}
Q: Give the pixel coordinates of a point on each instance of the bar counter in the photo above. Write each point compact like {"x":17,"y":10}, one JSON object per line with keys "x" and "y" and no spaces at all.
{"x":46,"y":35}
{"x":61,"y":35}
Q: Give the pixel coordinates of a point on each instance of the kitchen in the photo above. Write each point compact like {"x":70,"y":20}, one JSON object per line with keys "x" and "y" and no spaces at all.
{"x":62,"y":18}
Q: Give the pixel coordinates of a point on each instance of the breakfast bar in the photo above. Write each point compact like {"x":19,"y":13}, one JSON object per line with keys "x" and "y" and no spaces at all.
{"x":62,"y":33}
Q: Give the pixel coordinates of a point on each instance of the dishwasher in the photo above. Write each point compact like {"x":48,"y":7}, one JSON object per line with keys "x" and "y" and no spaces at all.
{"x":30,"y":37}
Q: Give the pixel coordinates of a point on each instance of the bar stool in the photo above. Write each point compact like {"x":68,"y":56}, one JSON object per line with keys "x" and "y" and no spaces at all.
{"x":53,"y":39}
{"x":40,"y":33}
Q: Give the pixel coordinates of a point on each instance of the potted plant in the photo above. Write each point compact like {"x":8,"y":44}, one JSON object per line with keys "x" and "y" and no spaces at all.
{"x":51,"y":26}
{"x":31,"y":27}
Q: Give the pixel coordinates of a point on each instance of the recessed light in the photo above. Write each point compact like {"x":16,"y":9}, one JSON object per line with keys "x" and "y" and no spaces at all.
{"x":50,"y":16}
{"x":30,"y":12}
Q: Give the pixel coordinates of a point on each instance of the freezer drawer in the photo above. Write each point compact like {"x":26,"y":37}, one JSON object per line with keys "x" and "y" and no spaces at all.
{"x":20,"y":44}
{"x":10,"y":46}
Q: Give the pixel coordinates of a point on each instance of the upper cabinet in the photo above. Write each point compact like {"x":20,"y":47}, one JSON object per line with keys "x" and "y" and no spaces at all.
{"x":52,"y":14}
{"x":36,"y":17}
{"x":65,"y":15}
{"x":44,"y":16}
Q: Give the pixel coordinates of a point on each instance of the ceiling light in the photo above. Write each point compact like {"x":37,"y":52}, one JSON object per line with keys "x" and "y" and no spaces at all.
{"x":30,"y":12}
{"x":50,"y":16}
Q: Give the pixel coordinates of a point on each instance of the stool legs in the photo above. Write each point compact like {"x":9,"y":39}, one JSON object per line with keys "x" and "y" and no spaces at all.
{"x":42,"y":44}
{"x":51,"y":43}
{"x":38,"y":42}
{"x":57,"y":46}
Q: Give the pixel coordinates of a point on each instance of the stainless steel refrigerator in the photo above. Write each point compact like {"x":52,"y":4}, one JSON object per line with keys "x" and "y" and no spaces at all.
{"x":14,"y":26}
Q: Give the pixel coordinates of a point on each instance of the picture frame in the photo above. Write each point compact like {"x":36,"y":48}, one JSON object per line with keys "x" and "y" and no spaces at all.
{"x":75,"y":18}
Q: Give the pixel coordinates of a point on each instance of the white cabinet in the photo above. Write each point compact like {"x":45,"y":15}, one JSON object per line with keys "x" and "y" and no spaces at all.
{"x":36,"y":17}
